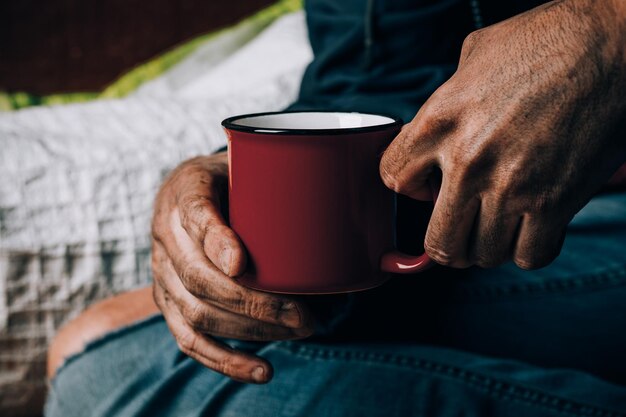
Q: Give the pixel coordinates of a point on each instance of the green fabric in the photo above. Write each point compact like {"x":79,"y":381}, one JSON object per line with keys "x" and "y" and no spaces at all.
{"x":149,"y":70}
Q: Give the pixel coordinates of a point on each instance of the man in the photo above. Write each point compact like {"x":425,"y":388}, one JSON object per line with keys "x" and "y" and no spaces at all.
{"x":525,"y":129}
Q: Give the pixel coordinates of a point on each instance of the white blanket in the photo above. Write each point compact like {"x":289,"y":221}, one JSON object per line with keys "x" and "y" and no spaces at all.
{"x":77,"y":184}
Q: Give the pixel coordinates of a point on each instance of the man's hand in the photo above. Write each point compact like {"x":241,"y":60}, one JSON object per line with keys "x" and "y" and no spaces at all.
{"x":194,"y":257}
{"x":529,"y":127}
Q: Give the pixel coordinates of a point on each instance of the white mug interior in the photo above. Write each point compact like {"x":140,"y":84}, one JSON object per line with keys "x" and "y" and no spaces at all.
{"x":313,"y":121}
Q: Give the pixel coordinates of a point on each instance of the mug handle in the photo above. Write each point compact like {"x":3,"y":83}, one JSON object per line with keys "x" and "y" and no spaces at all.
{"x":400,"y":263}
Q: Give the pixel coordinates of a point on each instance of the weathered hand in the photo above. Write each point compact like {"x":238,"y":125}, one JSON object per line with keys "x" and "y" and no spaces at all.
{"x":195,"y":255}
{"x":530,"y":126}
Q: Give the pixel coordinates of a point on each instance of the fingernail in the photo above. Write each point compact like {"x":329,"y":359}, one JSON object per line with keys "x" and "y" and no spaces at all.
{"x":225,"y":259}
{"x":258,"y":374}
{"x":289,"y":315}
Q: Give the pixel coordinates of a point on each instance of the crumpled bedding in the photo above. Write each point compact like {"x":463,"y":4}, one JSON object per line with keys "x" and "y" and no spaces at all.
{"x":77,"y":184}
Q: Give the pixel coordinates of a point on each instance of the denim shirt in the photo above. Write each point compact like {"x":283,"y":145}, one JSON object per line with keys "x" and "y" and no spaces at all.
{"x":388,"y":56}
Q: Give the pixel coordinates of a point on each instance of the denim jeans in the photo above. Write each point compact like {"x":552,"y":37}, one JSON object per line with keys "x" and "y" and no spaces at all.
{"x":498,"y":342}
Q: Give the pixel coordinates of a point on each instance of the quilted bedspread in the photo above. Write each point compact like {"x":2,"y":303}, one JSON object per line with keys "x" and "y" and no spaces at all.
{"x":77,"y":184}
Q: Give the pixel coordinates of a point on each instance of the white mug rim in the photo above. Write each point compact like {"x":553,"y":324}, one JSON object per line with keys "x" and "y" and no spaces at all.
{"x":353,"y":122}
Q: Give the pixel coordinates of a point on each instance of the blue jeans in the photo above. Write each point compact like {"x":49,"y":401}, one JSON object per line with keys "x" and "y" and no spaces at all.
{"x":502,"y":342}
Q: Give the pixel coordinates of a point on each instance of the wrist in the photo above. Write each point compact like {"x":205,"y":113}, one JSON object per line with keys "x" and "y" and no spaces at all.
{"x":603,"y":22}
{"x":612,"y":18}
{"x":619,"y":8}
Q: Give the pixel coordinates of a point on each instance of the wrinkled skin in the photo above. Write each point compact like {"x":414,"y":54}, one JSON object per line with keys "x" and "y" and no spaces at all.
{"x":525,"y":132}
{"x":194,"y":257}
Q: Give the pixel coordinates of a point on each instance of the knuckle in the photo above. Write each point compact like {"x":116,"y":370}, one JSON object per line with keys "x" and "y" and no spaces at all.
{"x":196,"y":315}
{"x":394,"y":177}
{"x":194,"y":210}
{"x":389,"y":181}
{"x":542,"y":202}
{"x":531,"y":262}
{"x":259,"y":309}
{"x":471,"y":40}
{"x":404,"y":187}
{"x":441,"y":256}
{"x":226,"y":366}
{"x":540,"y":259}
{"x":158,"y":260}
{"x":525,"y":263}
{"x":156,"y":227}
{"x":438,"y":126}
{"x":155,"y":264}
{"x":187,"y":342}
{"x":190,"y":275}
{"x":445,"y":257}
{"x":229,"y":295}
{"x":157,"y":296}
{"x":436,"y":117}
{"x":387,"y":169}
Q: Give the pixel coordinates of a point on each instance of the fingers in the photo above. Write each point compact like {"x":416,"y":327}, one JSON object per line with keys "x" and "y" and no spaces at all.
{"x":208,"y":318}
{"x":193,"y":192}
{"x":199,"y":213}
{"x":539,"y":242}
{"x":467,"y":231}
{"x":464,"y":232}
{"x":447,"y":236}
{"x":211,"y":353}
{"x":471,"y":223}
{"x":494,"y":234}
{"x":206,"y":282}
{"x":407,"y":167}
{"x":194,"y":252}
{"x":180,"y":231}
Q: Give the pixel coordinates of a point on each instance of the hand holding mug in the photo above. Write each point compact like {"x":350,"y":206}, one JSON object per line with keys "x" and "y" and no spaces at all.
{"x":194,"y":259}
{"x":312,"y":216}
{"x":528,"y":129}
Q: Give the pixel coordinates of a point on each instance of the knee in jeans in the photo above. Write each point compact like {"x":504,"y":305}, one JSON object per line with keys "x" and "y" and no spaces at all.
{"x":96,"y":321}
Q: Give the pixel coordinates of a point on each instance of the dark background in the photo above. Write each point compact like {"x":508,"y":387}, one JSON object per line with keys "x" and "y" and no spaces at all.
{"x":51,"y":46}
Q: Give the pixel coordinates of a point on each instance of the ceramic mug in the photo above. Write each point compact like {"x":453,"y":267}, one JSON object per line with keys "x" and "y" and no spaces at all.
{"x":307,"y":201}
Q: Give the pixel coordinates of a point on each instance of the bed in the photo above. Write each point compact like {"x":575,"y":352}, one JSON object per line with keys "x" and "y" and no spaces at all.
{"x":78,"y":179}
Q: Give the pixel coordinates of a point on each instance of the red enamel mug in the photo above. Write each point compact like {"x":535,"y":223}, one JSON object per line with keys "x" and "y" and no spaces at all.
{"x":307,"y":201}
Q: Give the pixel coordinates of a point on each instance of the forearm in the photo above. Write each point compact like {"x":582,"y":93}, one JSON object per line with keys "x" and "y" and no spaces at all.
{"x":607,"y":20}
{"x":612,"y":23}
{"x":618,"y":15}
{"x":619,"y":8}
